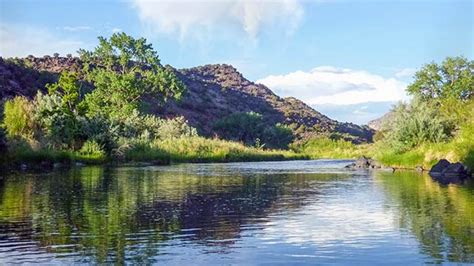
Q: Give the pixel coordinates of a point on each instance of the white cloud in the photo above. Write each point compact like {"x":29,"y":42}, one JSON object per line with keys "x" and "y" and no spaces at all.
{"x":21,"y":40}
{"x":405,"y":73}
{"x":331,"y":85}
{"x":184,"y":16}
{"x":76,"y":28}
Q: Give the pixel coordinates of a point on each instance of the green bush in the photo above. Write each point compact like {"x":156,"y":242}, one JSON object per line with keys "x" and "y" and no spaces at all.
{"x":278,"y":136}
{"x":251,"y":129}
{"x":414,"y":124}
{"x":92,"y":151}
{"x":61,"y":128}
{"x":175,"y":128}
{"x":18,"y":121}
{"x":325,"y":147}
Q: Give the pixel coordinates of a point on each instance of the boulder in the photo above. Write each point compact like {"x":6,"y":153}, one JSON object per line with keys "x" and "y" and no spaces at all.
{"x":449,"y":173}
{"x":455,"y":169}
{"x":362,"y":162}
{"x":439,"y":167}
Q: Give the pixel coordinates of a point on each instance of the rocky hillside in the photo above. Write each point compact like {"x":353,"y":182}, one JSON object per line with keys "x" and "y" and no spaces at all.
{"x":213,"y":92}
{"x":377,"y":124}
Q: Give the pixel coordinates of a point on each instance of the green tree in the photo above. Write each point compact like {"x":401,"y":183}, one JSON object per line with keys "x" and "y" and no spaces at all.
{"x":278,"y":136}
{"x":68,"y":89}
{"x":251,"y":129}
{"x":245,"y":127}
{"x":60,"y":112}
{"x":453,"y":78}
{"x":124,"y":71}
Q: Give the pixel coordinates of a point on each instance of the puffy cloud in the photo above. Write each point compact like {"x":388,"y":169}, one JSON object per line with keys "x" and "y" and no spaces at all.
{"x":184,"y":16}
{"x":21,"y":40}
{"x":331,"y":85}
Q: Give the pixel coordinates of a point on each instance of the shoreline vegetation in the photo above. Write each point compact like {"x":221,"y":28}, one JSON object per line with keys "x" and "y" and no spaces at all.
{"x":99,"y":116}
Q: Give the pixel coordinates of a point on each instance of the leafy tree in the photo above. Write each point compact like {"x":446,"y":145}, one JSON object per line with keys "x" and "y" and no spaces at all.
{"x":68,"y":89}
{"x":251,"y":129}
{"x":123,"y":71}
{"x":278,"y":136}
{"x":453,"y":78}
{"x":245,"y":127}
{"x":59,"y":112}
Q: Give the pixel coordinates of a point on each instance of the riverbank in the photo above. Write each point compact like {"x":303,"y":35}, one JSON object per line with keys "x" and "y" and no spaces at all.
{"x":459,"y":149}
{"x":178,"y":150}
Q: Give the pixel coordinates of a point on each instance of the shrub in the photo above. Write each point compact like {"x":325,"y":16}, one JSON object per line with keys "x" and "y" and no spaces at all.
{"x":325,"y":147}
{"x":175,"y":128}
{"x":414,"y":124}
{"x":278,"y":136}
{"x":18,"y":121}
{"x":250,"y":128}
{"x":102,"y":131}
{"x":245,"y":127}
{"x":92,"y":148}
{"x":62,"y":129}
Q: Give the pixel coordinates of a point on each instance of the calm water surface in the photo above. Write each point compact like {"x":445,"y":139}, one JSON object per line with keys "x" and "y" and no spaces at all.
{"x":306,"y":212}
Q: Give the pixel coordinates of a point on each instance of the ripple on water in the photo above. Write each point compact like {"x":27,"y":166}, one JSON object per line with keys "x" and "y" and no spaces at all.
{"x":297,"y":212}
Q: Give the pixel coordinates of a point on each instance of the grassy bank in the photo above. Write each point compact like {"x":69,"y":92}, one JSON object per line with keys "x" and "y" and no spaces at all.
{"x":177,"y":150}
{"x":326,"y":148}
{"x":459,"y":149}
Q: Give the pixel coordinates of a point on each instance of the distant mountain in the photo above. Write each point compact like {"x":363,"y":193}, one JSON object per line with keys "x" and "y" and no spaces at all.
{"x":377,"y":124}
{"x":213,"y":92}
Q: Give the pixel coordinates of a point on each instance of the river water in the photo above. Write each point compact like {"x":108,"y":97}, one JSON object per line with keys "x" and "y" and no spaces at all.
{"x":266,"y":213}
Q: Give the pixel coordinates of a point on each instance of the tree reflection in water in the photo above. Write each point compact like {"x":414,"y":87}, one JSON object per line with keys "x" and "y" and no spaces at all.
{"x":135,"y":215}
{"x":441,"y":217}
{"x":105,"y":215}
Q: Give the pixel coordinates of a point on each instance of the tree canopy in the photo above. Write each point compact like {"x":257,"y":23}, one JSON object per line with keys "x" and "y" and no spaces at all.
{"x":453,"y":78}
{"x":123,"y":71}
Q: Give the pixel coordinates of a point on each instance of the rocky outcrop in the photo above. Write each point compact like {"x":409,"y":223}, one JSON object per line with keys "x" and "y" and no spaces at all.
{"x":446,"y":172}
{"x":213,"y":92}
{"x":378,"y":123}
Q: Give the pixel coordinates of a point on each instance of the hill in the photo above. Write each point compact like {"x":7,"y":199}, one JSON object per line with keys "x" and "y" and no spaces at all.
{"x":213,"y":92}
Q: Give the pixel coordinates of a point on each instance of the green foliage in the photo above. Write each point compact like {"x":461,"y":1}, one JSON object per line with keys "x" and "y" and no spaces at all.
{"x":61,"y":127}
{"x":140,"y":150}
{"x":124,"y":70}
{"x":250,"y":126}
{"x":325,"y":147}
{"x":278,"y":136}
{"x":414,"y":124}
{"x":18,"y":121}
{"x":92,"y":151}
{"x":453,"y":78}
{"x":199,"y":149}
{"x":175,"y":128}
{"x":68,"y":90}
{"x":243,"y":127}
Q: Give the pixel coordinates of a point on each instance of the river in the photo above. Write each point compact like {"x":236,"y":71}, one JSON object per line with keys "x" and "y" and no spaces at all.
{"x":293,"y":212}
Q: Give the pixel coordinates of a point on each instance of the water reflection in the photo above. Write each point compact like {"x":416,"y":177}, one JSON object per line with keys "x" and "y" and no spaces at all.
{"x":441,"y":217}
{"x":233,"y":213}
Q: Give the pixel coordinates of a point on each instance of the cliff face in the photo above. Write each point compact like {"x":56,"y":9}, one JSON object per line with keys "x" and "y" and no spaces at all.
{"x":213,"y":92}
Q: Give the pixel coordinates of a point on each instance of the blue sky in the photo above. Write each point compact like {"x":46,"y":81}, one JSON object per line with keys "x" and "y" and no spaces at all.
{"x":349,"y":59}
